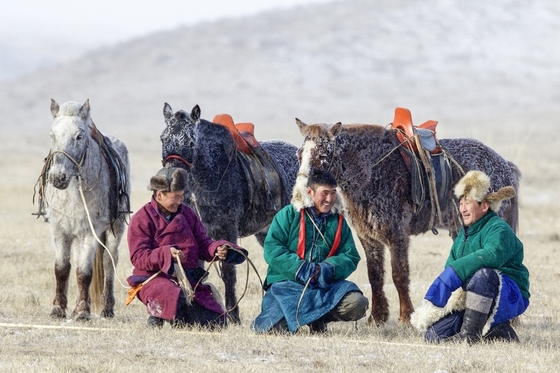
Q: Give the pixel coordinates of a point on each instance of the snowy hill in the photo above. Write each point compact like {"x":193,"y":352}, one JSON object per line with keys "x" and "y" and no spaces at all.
{"x":349,"y":61}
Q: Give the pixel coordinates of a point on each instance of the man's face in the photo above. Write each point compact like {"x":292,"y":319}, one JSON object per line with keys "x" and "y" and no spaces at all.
{"x":471,"y":210}
{"x":169,"y":200}
{"x":323,"y":198}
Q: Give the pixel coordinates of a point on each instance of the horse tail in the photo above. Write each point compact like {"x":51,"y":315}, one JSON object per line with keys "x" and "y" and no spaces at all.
{"x":511,"y":216}
{"x":97,"y":280}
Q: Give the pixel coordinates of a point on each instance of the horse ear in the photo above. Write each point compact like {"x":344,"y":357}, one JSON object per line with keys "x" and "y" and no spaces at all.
{"x":84,"y":110}
{"x":54,"y":108}
{"x":335,"y":129}
{"x":167,"y":111}
{"x":302,"y":126}
{"x":195,"y":113}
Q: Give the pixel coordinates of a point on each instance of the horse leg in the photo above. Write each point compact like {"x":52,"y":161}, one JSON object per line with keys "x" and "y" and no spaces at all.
{"x":229,"y":276}
{"x":109,"y":264}
{"x":62,"y":268}
{"x":84,"y":268}
{"x":375,"y":256}
{"x":260,"y":236}
{"x":401,"y":278}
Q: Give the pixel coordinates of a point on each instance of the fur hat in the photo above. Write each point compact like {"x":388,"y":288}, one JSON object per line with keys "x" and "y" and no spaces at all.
{"x":170,"y":179}
{"x":476,"y":184}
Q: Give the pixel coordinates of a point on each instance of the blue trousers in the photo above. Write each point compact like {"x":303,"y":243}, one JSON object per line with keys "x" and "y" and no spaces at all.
{"x":485,"y":283}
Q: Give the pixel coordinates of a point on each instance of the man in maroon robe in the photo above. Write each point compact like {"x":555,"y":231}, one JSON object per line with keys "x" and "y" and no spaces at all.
{"x":164,"y":233}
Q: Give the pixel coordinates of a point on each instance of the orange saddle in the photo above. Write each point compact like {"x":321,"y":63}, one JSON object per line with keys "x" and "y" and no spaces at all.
{"x":243,"y":133}
{"x":406,"y":131}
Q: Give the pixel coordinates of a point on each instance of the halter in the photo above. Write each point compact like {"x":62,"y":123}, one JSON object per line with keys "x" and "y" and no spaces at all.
{"x":177,"y":157}
{"x":42,"y":180}
{"x":189,"y":165}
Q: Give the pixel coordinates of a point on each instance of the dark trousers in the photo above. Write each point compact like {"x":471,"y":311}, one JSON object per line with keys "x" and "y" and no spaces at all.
{"x":195,"y":314}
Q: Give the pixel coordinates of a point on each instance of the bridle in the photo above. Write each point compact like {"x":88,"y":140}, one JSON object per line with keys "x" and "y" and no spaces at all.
{"x":177,"y":157}
{"x":190,"y":166}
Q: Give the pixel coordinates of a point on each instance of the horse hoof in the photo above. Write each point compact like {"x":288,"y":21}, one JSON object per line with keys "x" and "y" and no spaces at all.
{"x":375,"y":322}
{"x":234,"y":317}
{"x":107,"y":314}
{"x":404,"y":321}
{"x":82,"y":317}
{"x":58,"y":313}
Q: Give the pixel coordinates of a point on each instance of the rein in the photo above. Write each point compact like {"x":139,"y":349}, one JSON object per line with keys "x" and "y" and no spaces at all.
{"x":249,"y":265}
{"x":301,"y":249}
{"x":190,"y":292}
{"x":95,"y":234}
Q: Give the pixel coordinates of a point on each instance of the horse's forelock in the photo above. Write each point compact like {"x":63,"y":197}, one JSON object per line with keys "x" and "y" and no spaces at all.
{"x":70,"y":109}
{"x":316,"y":130}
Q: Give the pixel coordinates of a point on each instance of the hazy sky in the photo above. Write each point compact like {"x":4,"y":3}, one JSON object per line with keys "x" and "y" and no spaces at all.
{"x":36,"y":34}
{"x":108,"y":21}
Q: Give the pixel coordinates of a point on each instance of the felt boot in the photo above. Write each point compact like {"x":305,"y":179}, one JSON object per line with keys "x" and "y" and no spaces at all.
{"x":155,"y":322}
{"x":473,"y":323}
{"x":503,"y":332}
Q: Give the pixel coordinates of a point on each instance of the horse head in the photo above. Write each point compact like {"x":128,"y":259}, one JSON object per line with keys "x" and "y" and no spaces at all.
{"x":70,"y":135}
{"x":178,"y":137}
{"x":319,"y":146}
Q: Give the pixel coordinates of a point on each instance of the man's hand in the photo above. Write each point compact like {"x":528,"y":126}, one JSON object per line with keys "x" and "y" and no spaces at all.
{"x":307,"y":272}
{"x":221,"y":252}
{"x":176,"y":252}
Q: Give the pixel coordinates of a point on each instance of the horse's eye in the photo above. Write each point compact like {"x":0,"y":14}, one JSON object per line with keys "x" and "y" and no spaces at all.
{"x":79,"y":137}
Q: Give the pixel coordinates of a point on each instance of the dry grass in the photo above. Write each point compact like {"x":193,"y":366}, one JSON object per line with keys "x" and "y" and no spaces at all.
{"x":31,"y":342}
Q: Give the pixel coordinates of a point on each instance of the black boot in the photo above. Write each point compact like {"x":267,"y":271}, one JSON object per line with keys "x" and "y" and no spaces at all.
{"x":502,"y":332}
{"x":473,"y":323}
{"x":318,"y":327}
{"x":155,"y":322}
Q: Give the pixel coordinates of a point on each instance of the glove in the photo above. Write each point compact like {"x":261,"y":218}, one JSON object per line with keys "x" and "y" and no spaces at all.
{"x":440,"y":290}
{"x":325,"y":275}
{"x":306,"y":271}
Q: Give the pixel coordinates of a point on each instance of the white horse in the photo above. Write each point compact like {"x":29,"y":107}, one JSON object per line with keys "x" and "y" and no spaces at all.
{"x":84,"y":195}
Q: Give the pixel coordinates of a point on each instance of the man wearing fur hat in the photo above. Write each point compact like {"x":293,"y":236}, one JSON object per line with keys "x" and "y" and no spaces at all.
{"x":166,"y":239}
{"x":486,"y":268}
{"x":310,"y":252}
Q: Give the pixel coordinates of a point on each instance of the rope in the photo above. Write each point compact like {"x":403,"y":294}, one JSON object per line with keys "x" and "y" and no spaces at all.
{"x":95,"y":234}
{"x":249,"y":335}
{"x":249,"y":263}
{"x":190,"y":292}
{"x":301,"y":298}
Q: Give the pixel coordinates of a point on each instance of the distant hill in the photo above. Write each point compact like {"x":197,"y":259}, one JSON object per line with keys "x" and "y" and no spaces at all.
{"x":349,"y":61}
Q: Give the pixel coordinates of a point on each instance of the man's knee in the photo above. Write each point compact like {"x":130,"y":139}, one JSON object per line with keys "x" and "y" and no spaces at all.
{"x":485,"y":282}
{"x":352,"y":307}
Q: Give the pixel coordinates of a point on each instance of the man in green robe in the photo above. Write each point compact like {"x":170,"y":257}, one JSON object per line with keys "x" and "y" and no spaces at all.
{"x":310,"y":252}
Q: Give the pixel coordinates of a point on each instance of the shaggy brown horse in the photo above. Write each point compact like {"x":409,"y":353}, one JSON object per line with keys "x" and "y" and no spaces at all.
{"x":376,"y":184}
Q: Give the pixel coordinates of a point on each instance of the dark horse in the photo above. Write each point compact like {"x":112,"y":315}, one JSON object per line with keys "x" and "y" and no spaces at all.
{"x":376,"y":184}
{"x":232,"y":192}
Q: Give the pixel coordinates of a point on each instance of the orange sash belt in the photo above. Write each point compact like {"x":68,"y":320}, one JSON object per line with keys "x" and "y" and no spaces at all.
{"x":301,"y":236}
